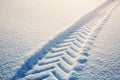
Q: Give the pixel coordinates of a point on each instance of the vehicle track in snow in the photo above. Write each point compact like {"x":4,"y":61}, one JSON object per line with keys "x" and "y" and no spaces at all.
{"x":57,"y":60}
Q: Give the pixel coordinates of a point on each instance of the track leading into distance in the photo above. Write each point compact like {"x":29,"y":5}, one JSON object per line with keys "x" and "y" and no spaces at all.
{"x":57,"y":60}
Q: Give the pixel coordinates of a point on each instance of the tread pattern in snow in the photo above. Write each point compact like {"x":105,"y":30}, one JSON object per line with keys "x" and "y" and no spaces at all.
{"x":71,"y":49}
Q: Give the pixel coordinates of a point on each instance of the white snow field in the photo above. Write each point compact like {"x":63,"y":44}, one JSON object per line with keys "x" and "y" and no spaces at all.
{"x":104,"y":57}
{"x":86,"y":50}
{"x":25,"y":24}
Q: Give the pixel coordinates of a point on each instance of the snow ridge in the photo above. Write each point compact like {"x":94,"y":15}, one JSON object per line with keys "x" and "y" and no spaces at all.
{"x":58,"y":59}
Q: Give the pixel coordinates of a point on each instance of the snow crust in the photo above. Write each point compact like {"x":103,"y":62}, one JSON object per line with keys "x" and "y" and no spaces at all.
{"x":26,"y":26}
{"x":104,"y":60}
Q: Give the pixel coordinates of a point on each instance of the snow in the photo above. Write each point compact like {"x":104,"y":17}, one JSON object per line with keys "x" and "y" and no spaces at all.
{"x":27,"y":25}
{"x":104,"y":60}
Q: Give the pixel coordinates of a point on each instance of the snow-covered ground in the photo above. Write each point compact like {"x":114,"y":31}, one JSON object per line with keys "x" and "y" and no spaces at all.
{"x":27,"y":24}
{"x":104,"y":60}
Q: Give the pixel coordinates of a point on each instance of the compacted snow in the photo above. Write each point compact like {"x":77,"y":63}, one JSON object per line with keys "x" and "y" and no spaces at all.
{"x":31,"y":49}
{"x":25,"y":24}
{"x":104,"y":60}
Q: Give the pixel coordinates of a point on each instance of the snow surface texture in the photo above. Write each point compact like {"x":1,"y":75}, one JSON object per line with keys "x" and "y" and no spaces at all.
{"x":25,"y":24}
{"x":66,"y":56}
{"x":104,"y":60}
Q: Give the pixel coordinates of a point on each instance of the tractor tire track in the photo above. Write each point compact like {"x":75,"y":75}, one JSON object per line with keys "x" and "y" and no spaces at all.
{"x":71,"y":48}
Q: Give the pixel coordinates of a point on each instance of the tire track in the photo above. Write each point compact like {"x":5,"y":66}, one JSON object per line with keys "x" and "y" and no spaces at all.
{"x":70,"y":48}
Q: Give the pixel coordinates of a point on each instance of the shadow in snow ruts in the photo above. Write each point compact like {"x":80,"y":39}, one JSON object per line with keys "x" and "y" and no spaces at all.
{"x":57,"y":41}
